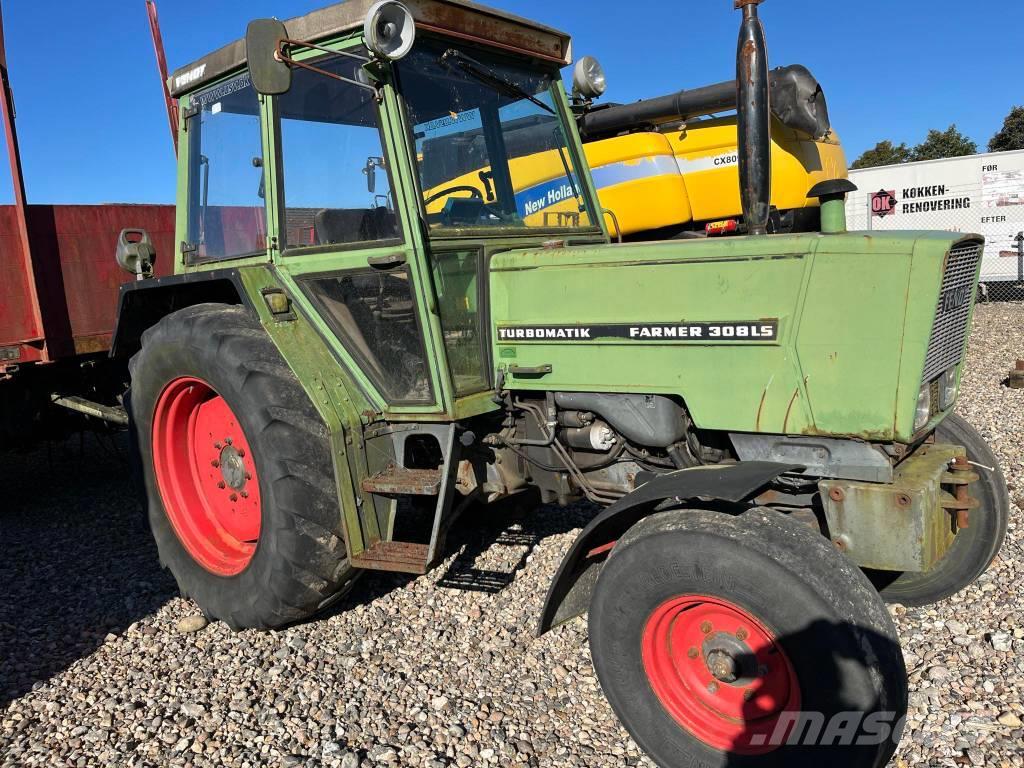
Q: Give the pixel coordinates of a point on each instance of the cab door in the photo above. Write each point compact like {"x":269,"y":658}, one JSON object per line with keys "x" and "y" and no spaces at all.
{"x":344,"y":240}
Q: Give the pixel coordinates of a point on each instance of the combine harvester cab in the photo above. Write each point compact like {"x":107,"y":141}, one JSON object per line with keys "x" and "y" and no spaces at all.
{"x":374,"y":329}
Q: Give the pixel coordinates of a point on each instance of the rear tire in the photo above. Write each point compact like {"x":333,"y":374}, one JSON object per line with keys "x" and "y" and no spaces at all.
{"x":805,"y":628}
{"x":253,"y":535}
{"x":975,"y":547}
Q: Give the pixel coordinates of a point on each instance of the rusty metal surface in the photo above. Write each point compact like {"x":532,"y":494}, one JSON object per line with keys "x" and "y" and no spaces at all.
{"x":19,"y":303}
{"x":905,"y":525}
{"x":455,"y":18}
{"x":77,"y":277}
{"x":753,"y":114}
{"x":961,"y":476}
{"x":394,"y":556}
{"x":161,"y":65}
{"x":58,"y":279}
{"x":398,"y":481}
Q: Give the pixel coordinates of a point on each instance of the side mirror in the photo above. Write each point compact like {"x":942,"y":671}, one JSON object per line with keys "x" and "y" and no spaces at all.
{"x":270,"y":75}
{"x":135,"y":253}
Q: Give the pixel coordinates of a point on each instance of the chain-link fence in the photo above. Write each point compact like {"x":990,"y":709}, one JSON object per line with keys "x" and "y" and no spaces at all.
{"x":993,"y":209}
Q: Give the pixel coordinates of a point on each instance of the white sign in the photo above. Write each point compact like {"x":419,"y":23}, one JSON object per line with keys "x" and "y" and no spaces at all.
{"x":982,"y":194}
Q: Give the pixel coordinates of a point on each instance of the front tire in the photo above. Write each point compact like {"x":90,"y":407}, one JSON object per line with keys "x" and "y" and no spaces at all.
{"x":710,"y":632}
{"x":237,"y":470}
{"x":975,"y":547}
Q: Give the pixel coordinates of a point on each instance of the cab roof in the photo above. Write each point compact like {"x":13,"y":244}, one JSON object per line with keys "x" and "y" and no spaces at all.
{"x":458,"y":18}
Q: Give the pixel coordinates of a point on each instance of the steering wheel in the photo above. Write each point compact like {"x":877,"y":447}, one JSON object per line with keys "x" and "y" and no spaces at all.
{"x":474,"y":193}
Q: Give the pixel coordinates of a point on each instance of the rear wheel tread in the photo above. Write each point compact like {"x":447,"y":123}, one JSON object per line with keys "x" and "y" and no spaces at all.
{"x":302,"y":557}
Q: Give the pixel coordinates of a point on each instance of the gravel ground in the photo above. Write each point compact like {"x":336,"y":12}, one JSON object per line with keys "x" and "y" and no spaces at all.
{"x":441,"y":670}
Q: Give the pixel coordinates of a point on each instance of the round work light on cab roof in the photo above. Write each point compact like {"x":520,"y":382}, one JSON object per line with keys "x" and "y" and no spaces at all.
{"x":390,"y":30}
{"x":588,"y":78}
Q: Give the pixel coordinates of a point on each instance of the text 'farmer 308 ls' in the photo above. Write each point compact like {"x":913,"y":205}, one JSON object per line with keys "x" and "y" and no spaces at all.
{"x":357,"y":347}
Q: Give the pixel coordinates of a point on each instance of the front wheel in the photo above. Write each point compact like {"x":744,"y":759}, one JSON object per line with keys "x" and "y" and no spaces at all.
{"x":746,"y":642}
{"x":975,"y":547}
{"x":237,"y":470}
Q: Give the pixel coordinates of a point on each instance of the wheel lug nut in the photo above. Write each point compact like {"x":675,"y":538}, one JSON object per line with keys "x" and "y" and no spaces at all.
{"x":248,"y":475}
{"x":706,"y":627}
{"x":742,"y":634}
{"x":234,"y":497}
{"x":241,"y":453}
{"x":693,"y":653}
{"x":214,"y":463}
{"x":712,"y":687}
{"x":228,"y":440}
{"x":218,"y":446}
{"x":245,"y":494}
{"x":221,"y":485}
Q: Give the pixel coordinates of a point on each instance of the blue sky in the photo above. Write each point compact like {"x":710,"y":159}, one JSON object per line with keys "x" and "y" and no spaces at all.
{"x":93,"y":129}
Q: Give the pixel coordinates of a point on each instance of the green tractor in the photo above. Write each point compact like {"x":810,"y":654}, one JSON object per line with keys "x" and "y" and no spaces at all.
{"x":353,"y":352}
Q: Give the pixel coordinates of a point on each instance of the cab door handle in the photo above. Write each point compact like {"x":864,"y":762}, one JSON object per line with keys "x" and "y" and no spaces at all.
{"x":391,"y":261}
{"x":536,"y":370}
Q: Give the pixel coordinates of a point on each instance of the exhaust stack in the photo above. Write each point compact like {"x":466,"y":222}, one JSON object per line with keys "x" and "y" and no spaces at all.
{"x":754,"y":116}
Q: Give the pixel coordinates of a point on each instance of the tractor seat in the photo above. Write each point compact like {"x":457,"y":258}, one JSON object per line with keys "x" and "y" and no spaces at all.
{"x":335,"y":226}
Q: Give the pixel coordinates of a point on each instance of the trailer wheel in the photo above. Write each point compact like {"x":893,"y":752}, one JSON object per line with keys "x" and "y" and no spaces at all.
{"x":710,"y":635}
{"x":237,"y":470}
{"x":975,"y":547}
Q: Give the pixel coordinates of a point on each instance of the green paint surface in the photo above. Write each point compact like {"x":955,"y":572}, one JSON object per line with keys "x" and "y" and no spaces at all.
{"x":855,"y":313}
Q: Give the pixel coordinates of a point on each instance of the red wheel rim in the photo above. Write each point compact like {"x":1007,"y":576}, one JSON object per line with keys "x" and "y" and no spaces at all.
{"x":720,"y":673}
{"x":206,"y":475}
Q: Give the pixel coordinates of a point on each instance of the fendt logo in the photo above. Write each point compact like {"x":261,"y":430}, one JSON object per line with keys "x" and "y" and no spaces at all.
{"x":956,"y":298}
{"x":190,"y":77}
{"x":883,"y":202}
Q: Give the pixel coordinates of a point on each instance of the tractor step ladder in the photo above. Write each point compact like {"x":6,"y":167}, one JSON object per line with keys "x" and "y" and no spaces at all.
{"x":399,"y":556}
{"x":397,"y":482}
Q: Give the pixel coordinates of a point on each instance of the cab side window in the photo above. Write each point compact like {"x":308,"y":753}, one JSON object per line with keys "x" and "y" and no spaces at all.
{"x":337,"y":185}
{"x":226,"y":213}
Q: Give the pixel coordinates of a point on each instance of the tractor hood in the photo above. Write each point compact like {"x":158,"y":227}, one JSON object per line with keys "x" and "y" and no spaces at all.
{"x":792,"y":334}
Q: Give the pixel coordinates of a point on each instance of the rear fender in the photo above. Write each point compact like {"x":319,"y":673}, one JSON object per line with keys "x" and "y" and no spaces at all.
{"x":570,"y":590}
{"x":144,"y":303}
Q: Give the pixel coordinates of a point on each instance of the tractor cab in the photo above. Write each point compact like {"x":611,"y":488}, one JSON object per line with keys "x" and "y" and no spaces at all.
{"x":379,"y":170}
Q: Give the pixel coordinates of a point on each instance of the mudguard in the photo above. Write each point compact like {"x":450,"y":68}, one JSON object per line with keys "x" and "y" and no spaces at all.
{"x":570,"y":590}
{"x":143,"y":303}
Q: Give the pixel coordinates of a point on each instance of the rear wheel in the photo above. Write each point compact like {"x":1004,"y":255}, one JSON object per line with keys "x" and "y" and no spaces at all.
{"x":975,"y":547}
{"x":711,"y":634}
{"x":237,"y":471}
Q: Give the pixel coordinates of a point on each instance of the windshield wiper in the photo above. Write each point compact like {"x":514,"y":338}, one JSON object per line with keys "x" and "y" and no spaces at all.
{"x":501,"y":84}
{"x":490,"y":77}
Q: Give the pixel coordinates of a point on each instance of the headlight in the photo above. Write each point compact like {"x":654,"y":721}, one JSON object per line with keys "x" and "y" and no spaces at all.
{"x":588,"y":78}
{"x":947,"y":389}
{"x":924,"y":407}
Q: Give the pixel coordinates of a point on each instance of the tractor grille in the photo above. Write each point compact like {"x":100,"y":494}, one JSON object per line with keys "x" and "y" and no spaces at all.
{"x":949,"y":332}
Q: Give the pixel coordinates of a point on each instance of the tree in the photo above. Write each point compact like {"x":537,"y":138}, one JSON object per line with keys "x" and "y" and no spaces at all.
{"x":940,"y":144}
{"x":1011,"y":135}
{"x":883,"y":153}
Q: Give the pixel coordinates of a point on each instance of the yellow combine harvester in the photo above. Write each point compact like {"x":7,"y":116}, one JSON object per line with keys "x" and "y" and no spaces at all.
{"x":664,"y":167}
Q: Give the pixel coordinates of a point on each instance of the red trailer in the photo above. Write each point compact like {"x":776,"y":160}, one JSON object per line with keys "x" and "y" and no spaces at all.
{"x":59,"y":286}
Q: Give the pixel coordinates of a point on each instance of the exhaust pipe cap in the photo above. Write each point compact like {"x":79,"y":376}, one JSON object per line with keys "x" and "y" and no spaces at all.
{"x":832,"y":196}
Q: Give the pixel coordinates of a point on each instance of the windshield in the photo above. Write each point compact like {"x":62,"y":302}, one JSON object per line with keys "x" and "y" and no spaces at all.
{"x":490,"y":145}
